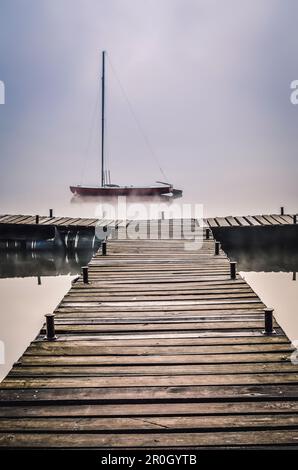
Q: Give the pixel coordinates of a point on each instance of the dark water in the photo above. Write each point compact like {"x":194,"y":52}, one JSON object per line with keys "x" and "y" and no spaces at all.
{"x":269,"y":263}
{"x":42,"y":264}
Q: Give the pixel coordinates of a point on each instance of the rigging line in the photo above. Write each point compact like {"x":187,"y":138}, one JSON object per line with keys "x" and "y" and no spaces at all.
{"x":141,"y":130}
{"x":90,"y":136}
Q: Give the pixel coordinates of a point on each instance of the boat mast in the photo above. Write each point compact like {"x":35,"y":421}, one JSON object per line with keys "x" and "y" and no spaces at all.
{"x":102,"y":119}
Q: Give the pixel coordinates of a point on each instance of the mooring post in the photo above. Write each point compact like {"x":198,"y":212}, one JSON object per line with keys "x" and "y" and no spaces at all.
{"x":217,"y":247}
{"x":39,"y":280}
{"x":295,"y":219}
{"x":50,"y":327}
{"x":282,"y":211}
{"x":294,"y":276}
{"x":104,"y":228}
{"x":104,"y":248}
{"x":37,"y":219}
{"x":268,"y":322}
{"x":85,"y":274}
{"x":207,"y":233}
{"x":51,"y":213}
{"x":233,"y":270}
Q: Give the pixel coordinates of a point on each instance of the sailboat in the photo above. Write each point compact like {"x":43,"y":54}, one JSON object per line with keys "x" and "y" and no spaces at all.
{"x":107,"y":189}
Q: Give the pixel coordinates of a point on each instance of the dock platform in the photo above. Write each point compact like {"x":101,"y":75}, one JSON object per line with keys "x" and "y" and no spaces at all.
{"x":160,"y":349}
{"x":229,"y":221}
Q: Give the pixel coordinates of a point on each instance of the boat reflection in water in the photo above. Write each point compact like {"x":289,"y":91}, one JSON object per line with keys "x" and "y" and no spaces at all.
{"x":63,"y":254}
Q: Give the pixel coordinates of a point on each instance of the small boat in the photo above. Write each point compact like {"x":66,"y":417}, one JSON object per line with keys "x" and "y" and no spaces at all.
{"x":114,"y":190}
{"x":106,"y":189}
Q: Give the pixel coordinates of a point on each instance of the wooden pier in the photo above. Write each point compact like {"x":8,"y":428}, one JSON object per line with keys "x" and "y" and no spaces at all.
{"x":160,"y":349}
{"x":251,"y":221}
{"x":221,"y":222}
{"x":46,"y":220}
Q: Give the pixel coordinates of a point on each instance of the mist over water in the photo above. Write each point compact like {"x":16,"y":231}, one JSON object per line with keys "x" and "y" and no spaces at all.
{"x":209,"y":83}
{"x":65,"y":205}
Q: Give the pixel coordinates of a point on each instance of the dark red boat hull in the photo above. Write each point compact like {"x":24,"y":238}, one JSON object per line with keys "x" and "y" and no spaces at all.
{"x":122,"y":191}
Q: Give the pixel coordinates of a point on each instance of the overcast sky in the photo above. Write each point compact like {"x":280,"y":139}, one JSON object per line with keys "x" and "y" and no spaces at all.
{"x":209,"y":82}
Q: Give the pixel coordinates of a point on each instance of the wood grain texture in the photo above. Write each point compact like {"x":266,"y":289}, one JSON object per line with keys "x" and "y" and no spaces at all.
{"x":160,"y":349}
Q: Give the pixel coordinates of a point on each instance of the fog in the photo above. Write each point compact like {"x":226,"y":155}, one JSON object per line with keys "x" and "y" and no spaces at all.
{"x":208,"y":81}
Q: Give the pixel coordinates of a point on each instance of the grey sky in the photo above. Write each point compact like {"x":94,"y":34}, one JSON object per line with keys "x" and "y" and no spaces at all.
{"x":208,"y":80}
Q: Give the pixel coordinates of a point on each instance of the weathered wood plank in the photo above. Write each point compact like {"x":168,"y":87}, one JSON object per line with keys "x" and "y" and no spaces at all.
{"x":139,"y":424}
{"x":242,"y":221}
{"x":271,"y":220}
{"x":252,"y":220}
{"x":151,"y":409}
{"x":148,"y":381}
{"x":262,"y":220}
{"x":101,"y":328}
{"x":222,"y":222}
{"x":212,"y":222}
{"x":149,"y":394}
{"x":287,"y":218}
{"x":226,"y":439}
{"x":185,"y":358}
{"x":259,"y":343}
{"x":169,"y":369}
{"x":233,"y":221}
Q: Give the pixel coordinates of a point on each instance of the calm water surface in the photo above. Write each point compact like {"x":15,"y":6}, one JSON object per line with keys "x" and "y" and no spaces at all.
{"x":270,"y":269}
{"x":31,"y":285}
{"x":279,"y":291}
{"x":23,"y":306}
